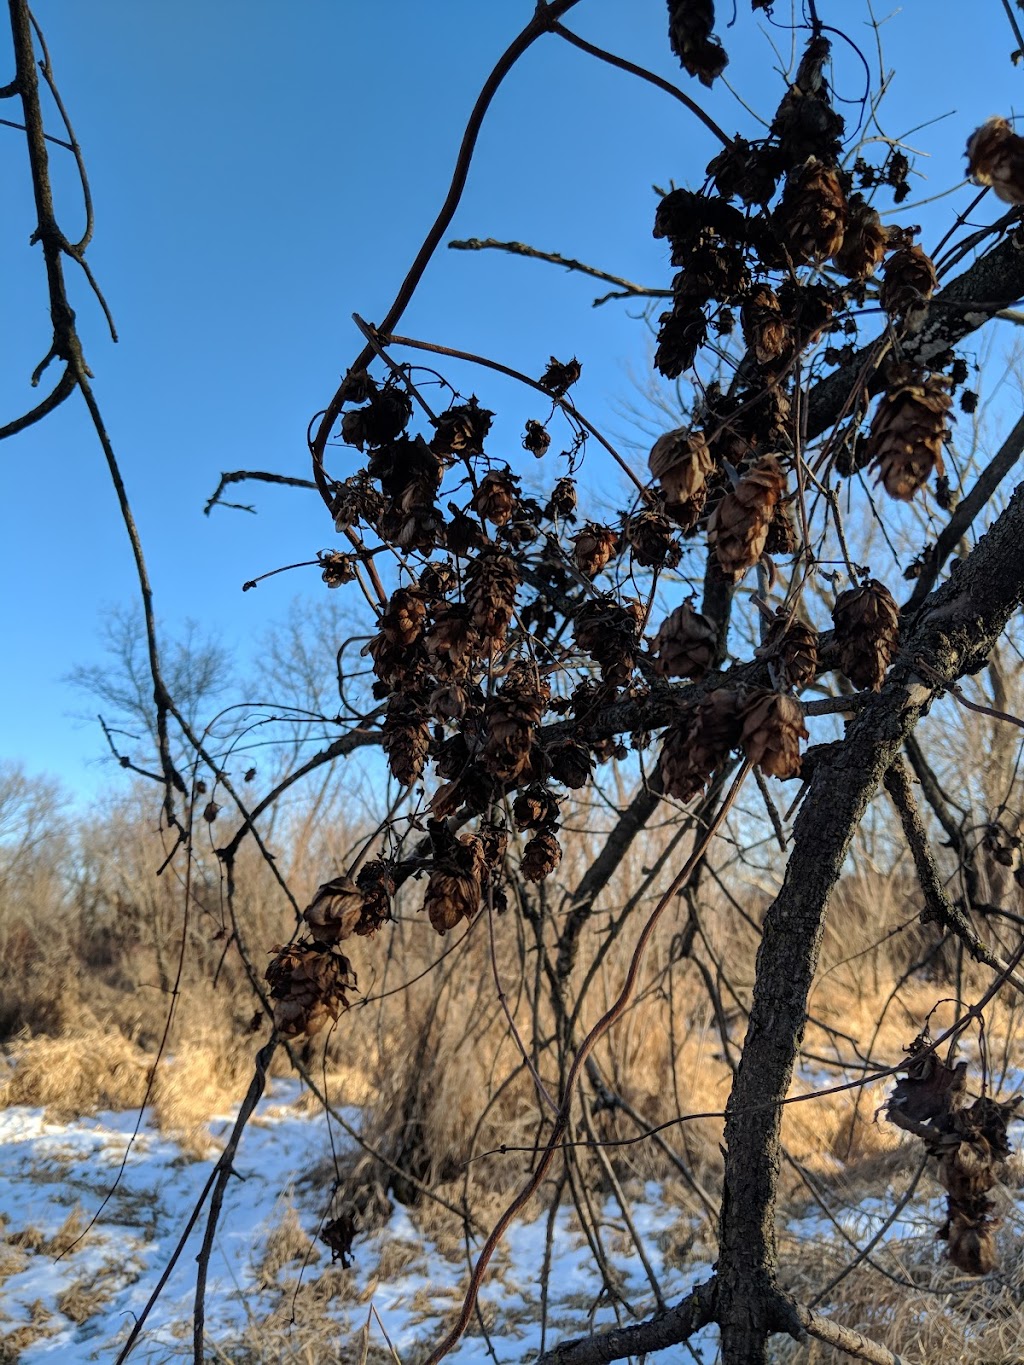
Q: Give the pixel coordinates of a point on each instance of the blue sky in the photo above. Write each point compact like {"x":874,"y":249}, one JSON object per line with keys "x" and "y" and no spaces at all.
{"x":260,"y":172}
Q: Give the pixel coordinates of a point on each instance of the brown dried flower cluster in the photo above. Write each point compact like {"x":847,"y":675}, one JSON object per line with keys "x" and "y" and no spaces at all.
{"x":685,"y":645}
{"x":969,"y":1143}
{"x":698,"y":742}
{"x":682,"y":463}
{"x":767,"y":725}
{"x":738,"y":528}
{"x":310,"y":984}
{"x":791,"y":647}
{"x":867,"y":622}
{"x":909,"y":282}
{"x":593,"y":548}
{"x":772,"y":728}
{"x":610,"y":634}
{"x":908,"y":431}
{"x":995,"y":157}
{"x":811,"y":216}
{"x":690,"y":30}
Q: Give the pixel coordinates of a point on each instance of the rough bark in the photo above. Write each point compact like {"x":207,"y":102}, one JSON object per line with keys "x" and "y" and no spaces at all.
{"x":954,"y":634}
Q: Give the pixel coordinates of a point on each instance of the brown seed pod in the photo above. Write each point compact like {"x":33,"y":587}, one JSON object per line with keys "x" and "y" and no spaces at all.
{"x":685,"y":644}
{"x":541,"y":856}
{"x":452,"y":642}
{"x":562,"y":502}
{"x":571,"y":763}
{"x":908,"y":430}
{"x":309,"y":985}
{"x":864,"y":242}
{"x":649,"y":536}
{"x":765,"y":330}
{"x":995,"y":157}
{"x":690,"y":25}
{"x":773,"y":726}
{"x":382,"y":420}
{"x":682,"y":463}
{"x":535,"y":807}
{"x":560,"y":376}
{"x":511,"y":716}
{"x":783,"y":536}
{"x":749,"y":171}
{"x":536,"y":439}
{"x":792,"y":646}
{"x":867,"y":622}
{"x":738,"y":528}
{"x":462,"y":429}
{"x":971,"y":1245}
{"x":682,"y":331}
{"x":335,"y":911}
{"x":337,"y":568}
{"x":491,"y":582}
{"x":908,"y":283}
{"x":497,"y":497}
{"x":805,"y":123}
{"x":811,"y":216}
{"x":698,"y":742}
{"x":406,"y":738}
{"x":593,"y":547}
{"x":610,"y":634}
{"x":456,"y":884}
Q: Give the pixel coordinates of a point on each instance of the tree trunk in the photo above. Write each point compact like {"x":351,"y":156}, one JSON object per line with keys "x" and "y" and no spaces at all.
{"x":953,"y":636}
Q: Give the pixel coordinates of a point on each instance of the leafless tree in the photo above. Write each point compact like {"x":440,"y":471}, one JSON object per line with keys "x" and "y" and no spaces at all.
{"x":519,"y":643}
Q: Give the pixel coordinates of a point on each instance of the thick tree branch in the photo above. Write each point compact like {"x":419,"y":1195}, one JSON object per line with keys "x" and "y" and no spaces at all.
{"x":993,"y":282}
{"x":963,"y":518}
{"x":677,"y":1325}
{"x":955,"y":633}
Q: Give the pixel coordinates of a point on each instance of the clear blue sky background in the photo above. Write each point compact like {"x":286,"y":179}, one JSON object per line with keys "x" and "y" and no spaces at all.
{"x":260,"y":171}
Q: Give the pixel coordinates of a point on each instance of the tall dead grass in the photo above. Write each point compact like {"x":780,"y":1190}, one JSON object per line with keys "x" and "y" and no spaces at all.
{"x":448,"y":1103}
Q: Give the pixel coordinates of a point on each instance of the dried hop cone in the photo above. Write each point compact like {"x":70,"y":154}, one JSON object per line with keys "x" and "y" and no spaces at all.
{"x":811,"y":216}
{"x":765,"y":329}
{"x":908,"y":430}
{"x":536,"y":438}
{"x":593,"y":548}
{"x":867,"y":622}
{"x":337,"y":568}
{"x":682,"y":463}
{"x":462,"y":429}
{"x":562,"y":502}
{"x":535,"y":807}
{"x":649,"y":536}
{"x":685,"y":644}
{"x":908,"y":284}
{"x":738,"y":528}
{"x":773,"y":726}
{"x":571,"y":763}
{"x":456,"y":884}
{"x":491,"y":582}
{"x":560,"y":376}
{"x":336,"y":911}
{"x":698,"y":742}
{"x":690,"y":25}
{"x":497,"y":496}
{"x":309,"y":984}
{"x":864,"y":242}
{"x":406,"y":738}
{"x":995,"y":157}
{"x":541,"y":856}
{"x":792,"y":646}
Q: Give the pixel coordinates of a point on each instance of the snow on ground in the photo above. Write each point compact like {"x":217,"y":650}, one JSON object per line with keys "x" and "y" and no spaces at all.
{"x":54,"y":1177}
